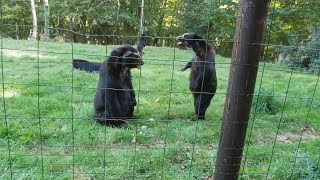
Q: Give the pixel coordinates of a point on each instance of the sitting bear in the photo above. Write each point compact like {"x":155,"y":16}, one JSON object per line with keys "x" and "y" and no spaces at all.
{"x":115,"y":97}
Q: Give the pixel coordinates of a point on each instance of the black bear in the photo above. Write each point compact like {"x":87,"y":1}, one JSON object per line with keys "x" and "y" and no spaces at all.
{"x":142,"y":43}
{"x":203,"y":79}
{"x":95,"y":66}
{"x":115,"y":97}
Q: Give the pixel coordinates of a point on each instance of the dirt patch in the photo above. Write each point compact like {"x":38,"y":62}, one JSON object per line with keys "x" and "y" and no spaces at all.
{"x":308,"y":133}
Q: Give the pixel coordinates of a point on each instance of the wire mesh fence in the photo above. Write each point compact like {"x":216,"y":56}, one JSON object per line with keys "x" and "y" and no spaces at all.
{"x":47,"y":126}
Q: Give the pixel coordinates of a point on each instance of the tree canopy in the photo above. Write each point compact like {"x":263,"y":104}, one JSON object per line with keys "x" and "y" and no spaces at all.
{"x":110,"y":22}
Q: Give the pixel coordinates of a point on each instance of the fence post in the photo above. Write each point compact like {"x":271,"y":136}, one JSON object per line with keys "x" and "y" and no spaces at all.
{"x":242,"y":77}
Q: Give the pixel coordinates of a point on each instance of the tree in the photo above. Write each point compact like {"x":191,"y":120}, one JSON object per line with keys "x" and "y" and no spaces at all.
{"x":34,"y":32}
{"x":289,"y":23}
{"x":306,"y":56}
{"x":160,"y":22}
{"x":95,"y":21}
{"x":213,"y":20}
{"x":46,"y":35}
{"x":14,"y":12}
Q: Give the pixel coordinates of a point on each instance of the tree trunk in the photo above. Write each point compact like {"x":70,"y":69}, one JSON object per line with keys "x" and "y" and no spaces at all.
{"x":163,"y":41}
{"x":141,"y":19}
{"x":60,"y":27}
{"x":17,"y":31}
{"x":34,"y":33}
{"x":83,"y":29}
{"x":46,"y":35}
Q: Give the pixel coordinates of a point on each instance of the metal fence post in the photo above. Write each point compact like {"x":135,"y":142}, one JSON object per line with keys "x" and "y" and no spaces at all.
{"x":242,"y":77}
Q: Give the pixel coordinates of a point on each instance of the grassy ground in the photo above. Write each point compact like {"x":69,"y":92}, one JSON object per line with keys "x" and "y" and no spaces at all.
{"x":46,"y":130}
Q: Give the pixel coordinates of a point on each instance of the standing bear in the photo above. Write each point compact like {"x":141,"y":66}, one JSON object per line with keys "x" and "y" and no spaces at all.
{"x":203,"y":78}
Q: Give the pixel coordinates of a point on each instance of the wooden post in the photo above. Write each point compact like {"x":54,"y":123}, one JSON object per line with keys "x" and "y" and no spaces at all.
{"x":242,"y":77}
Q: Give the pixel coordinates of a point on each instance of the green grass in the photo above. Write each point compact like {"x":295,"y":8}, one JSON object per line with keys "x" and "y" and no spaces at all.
{"x":65,"y":143}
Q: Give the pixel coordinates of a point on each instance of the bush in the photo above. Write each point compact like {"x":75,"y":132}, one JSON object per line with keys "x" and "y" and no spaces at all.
{"x":312,"y":50}
{"x":59,"y":39}
{"x":307,"y":55}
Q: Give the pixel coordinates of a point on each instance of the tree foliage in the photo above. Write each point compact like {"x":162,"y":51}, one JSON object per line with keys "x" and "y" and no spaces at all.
{"x":306,"y":56}
{"x":105,"y":22}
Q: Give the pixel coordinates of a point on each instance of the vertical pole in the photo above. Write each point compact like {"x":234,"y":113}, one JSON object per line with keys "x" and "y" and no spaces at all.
{"x":242,"y":77}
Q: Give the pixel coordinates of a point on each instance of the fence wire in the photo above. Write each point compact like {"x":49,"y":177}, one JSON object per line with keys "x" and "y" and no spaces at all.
{"x":47,"y":129}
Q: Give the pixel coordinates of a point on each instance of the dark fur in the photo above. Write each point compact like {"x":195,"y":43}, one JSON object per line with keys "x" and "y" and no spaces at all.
{"x":95,"y":66}
{"x":115,"y":98}
{"x":86,"y":65}
{"x":187,"y":66}
{"x":142,"y":43}
{"x":203,"y":79}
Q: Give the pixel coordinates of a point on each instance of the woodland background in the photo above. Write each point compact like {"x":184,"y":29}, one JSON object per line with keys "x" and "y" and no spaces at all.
{"x":292,"y":25}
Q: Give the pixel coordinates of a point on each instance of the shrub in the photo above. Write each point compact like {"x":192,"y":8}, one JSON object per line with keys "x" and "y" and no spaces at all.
{"x":307,"y":55}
